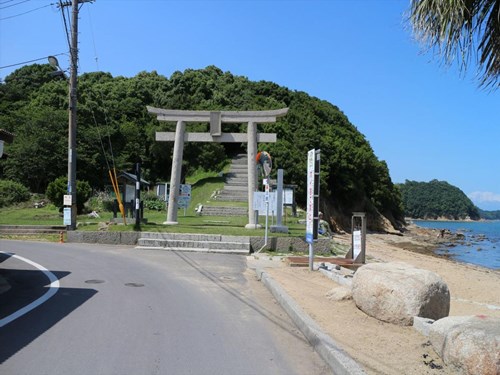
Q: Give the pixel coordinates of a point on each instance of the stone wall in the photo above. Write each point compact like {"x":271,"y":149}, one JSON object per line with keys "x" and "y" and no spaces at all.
{"x":278,"y":244}
{"x":291,"y":244}
{"x":109,"y":238}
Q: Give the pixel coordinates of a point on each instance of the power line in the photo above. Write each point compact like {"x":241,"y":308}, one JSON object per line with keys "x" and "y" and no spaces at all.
{"x":65,"y":27}
{"x":30,"y":61}
{"x":29,"y":11}
{"x":13,"y":5}
{"x":5,"y":2}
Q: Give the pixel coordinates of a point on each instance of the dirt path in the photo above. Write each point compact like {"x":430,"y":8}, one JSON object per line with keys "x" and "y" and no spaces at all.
{"x":380,"y":347}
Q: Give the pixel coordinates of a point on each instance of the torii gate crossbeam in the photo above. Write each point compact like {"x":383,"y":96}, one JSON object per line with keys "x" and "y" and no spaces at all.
{"x":215,"y":118}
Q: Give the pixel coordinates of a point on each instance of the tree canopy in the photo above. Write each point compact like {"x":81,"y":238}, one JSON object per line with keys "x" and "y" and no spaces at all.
{"x":460,"y":30}
{"x":436,"y":199}
{"x":114,"y":126}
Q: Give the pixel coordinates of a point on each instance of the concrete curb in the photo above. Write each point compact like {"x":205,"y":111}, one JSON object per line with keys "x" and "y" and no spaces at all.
{"x":336,"y":358}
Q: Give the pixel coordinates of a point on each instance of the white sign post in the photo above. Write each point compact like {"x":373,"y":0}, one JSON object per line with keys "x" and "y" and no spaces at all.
{"x":313,"y":159}
{"x":310,"y":197}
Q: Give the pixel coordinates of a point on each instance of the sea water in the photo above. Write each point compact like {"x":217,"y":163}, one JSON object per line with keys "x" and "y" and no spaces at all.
{"x":481,"y":245}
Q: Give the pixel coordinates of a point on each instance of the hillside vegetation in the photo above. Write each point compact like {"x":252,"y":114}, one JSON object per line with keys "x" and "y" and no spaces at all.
{"x":435,"y":200}
{"x":489,"y":215}
{"x":114,"y":127}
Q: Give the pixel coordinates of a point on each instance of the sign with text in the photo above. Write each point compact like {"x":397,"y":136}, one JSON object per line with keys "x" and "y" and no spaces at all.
{"x":67,"y":215}
{"x":310,"y":197}
{"x":263,"y":201}
{"x":67,"y":200}
{"x":184,"y":197}
{"x":356,"y":242}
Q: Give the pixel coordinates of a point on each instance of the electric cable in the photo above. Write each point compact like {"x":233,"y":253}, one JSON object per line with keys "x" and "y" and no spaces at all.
{"x":29,"y":11}
{"x":13,"y":5}
{"x":66,"y":29}
{"x":29,"y":61}
{"x":6,"y":1}
{"x":96,"y":93}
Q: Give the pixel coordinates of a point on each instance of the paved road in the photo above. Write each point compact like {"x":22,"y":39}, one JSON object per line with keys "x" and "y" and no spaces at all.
{"x":119,"y":310}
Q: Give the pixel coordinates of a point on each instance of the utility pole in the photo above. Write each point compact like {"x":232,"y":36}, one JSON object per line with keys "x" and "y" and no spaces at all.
{"x":72,"y":113}
{"x":73,"y":49}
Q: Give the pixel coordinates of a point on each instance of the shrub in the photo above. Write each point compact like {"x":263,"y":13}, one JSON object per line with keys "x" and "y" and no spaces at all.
{"x":101,"y":201}
{"x":12,"y":192}
{"x":58,"y":188}
{"x":152,"y":202}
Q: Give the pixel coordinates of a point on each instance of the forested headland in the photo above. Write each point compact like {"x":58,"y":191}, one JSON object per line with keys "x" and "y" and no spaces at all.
{"x":436,"y":200}
{"x":115,"y":127}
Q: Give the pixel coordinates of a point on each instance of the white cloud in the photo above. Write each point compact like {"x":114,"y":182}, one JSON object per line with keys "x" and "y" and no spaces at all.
{"x":484,"y":196}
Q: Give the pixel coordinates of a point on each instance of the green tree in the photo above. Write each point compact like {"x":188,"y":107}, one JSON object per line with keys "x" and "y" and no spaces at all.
{"x":58,"y":188}
{"x":12,"y":192}
{"x":115,"y":127}
{"x":463,"y":29}
{"x":435,"y":199}
{"x":38,"y":154}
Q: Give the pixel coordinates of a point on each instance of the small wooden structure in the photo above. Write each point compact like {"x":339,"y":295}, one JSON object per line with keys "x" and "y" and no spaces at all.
{"x":354,"y":258}
{"x":127,"y":184}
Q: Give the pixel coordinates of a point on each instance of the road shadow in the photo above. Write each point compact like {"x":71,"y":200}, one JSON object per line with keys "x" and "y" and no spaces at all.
{"x":26,"y":287}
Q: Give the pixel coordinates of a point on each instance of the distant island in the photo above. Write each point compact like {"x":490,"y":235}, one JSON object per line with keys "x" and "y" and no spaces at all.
{"x":489,"y":215}
{"x":438,"y":200}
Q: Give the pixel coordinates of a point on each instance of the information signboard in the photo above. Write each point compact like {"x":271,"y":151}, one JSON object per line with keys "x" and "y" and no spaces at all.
{"x":67,"y":215}
{"x":67,"y":199}
{"x":356,"y":242}
{"x":184,"y":197}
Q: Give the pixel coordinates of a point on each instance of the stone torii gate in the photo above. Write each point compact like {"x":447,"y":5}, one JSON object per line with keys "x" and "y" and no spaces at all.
{"x":215,"y":118}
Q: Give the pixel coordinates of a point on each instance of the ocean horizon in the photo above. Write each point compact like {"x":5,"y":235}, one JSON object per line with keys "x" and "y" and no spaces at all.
{"x":481,"y":245}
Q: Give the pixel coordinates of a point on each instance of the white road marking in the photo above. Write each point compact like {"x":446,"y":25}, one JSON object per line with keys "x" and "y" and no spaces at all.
{"x":53,"y":287}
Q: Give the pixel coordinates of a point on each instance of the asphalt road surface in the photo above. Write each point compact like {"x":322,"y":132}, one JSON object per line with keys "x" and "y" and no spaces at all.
{"x":97,"y":309}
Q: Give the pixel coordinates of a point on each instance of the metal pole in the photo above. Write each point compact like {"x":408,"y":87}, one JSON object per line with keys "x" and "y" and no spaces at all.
{"x":72,"y":114}
{"x":311,"y":257}
{"x":138,"y":195}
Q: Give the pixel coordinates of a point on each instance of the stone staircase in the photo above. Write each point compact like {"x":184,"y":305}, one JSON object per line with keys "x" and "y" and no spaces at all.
{"x":236,"y":184}
{"x":207,"y":243}
{"x":235,"y":190}
{"x":224,"y":211}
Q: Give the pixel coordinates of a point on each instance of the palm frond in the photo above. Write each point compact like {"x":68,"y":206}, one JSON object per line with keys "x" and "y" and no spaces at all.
{"x":459,"y":30}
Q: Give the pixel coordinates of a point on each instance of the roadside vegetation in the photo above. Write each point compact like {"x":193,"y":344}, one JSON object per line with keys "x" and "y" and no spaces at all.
{"x":115,"y":130}
{"x":37,"y":209}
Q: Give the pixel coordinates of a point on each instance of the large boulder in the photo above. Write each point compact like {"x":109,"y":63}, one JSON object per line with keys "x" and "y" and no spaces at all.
{"x":471,"y":344}
{"x":396,"y":292}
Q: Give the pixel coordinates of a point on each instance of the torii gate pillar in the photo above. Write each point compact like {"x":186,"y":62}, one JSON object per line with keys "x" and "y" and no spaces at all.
{"x":252,"y":178}
{"x":216,"y":135}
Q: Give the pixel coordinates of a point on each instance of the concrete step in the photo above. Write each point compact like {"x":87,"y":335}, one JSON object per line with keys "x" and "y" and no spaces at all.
{"x":231,"y":198}
{"x":236,"y":192}
{"x":240,"y":159}
{"x":224,"y":211}
{"x":236,"y":182}
{"x":235,"y":188}
{"x":195,"y":243}
{"x":237,"y":175}
{"x":177,"y":244}
{"x":239,"y":167}
{"x":197,"y":249}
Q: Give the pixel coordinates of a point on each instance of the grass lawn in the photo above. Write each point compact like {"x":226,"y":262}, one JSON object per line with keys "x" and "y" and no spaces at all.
{"x":203,"y":184}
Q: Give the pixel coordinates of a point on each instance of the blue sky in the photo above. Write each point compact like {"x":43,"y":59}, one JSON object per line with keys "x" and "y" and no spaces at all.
{"x":425,"y":120}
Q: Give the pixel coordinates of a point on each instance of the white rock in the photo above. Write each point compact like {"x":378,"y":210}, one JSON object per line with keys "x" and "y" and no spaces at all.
{"x":471,"y":344}
{"x":340,"y":294}
{"x":396,"y":292}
